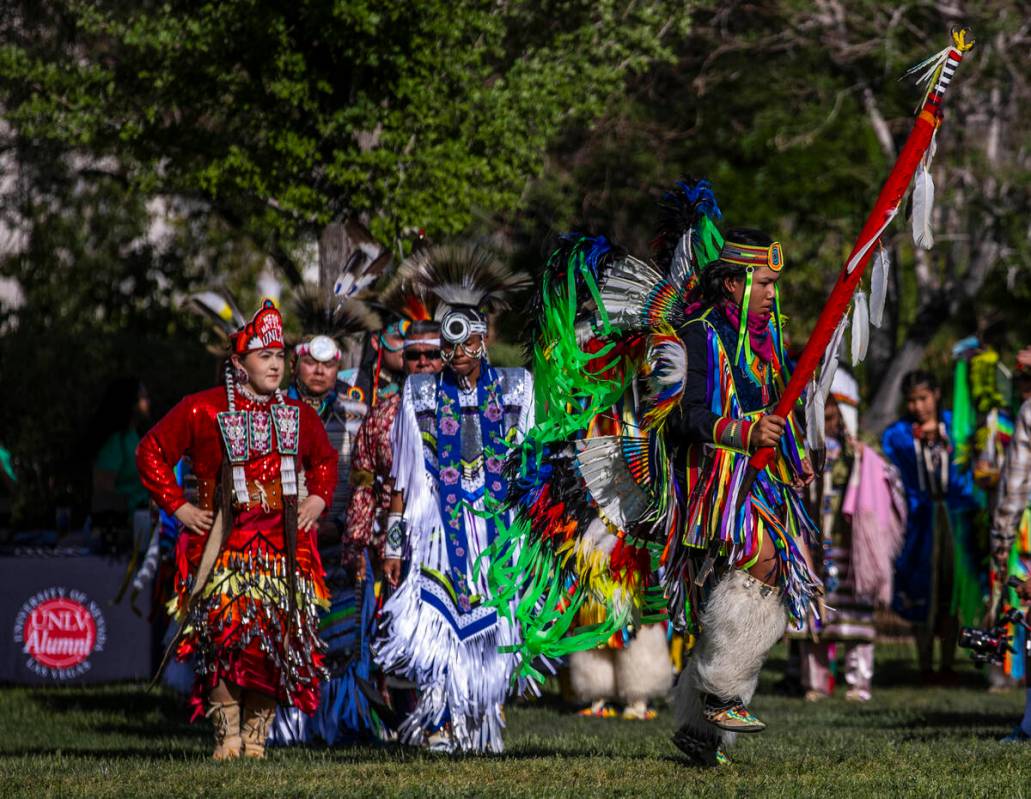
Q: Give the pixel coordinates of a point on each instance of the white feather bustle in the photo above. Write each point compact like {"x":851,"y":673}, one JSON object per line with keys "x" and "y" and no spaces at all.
{"x":605,"y":474}
{"x":626,"y":286}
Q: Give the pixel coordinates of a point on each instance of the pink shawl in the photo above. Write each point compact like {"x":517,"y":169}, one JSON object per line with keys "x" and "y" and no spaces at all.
{"x":877,"y":508}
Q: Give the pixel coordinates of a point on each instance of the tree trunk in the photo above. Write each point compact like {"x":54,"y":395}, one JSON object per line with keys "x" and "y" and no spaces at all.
{"x":348,"y":247}
{"x":929,"y":319}
{"x":335,"y":248}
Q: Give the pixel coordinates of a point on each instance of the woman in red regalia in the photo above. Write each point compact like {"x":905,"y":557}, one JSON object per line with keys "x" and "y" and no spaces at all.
{"x":249,"y":580}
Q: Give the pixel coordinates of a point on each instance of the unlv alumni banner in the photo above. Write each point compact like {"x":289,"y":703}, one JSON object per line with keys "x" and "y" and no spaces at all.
{"x":59,"y":630}
{"x":61,"y":627}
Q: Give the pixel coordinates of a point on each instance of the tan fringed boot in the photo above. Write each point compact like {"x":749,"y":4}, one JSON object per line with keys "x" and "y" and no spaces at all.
{"x":258,"y":712}
{"x":226,"y":718}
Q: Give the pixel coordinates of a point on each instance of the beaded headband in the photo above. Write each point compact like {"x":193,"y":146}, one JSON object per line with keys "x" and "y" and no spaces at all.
{"x":753,"y":255}
{"x":426,"y":342}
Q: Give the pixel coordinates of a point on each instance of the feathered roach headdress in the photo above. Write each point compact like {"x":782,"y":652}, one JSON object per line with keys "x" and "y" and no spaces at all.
{"x":464,"y":282}
{"x":687,"y":239}
{"x":462,"y":275}
{"x":326,"y":318}
{"x":401,"y":299}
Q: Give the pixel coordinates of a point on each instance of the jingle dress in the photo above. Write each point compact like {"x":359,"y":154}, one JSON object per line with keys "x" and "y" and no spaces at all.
{"x":239,"y":629}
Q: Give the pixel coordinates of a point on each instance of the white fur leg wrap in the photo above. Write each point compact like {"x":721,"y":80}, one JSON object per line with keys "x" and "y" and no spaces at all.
{"x":742,"y":620}
{"x":644,"y":670}
{"x":592,"y":676}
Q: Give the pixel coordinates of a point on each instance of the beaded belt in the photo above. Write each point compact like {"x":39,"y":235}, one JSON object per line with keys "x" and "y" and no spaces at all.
{"x":266,"y":495}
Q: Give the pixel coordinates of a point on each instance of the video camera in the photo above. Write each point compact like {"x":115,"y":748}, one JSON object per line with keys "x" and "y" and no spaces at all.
{"x":990,"y":645}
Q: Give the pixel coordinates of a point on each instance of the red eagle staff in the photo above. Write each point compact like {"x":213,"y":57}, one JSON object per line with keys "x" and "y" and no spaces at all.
{"x":941,"y":68}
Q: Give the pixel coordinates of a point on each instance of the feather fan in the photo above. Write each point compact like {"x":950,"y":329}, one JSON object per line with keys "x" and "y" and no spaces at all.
{"x":217,"y":309}
{"x":367,"y":263}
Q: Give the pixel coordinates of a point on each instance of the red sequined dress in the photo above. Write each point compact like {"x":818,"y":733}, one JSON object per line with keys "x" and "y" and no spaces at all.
{"x":238,"y":629}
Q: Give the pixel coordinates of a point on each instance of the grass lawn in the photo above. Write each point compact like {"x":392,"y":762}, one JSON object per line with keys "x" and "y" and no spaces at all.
{"x":911,"y":740}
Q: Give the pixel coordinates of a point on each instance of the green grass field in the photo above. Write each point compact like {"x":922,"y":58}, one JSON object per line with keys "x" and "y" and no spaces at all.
{"x":910,"y":740}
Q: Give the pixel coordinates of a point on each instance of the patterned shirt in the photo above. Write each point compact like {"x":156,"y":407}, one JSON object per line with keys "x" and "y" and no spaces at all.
{"x":371,"y":462}
{"x":1014,"y":483}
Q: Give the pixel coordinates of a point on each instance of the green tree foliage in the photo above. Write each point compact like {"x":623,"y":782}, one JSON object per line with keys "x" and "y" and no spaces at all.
{"x":283,"y":117}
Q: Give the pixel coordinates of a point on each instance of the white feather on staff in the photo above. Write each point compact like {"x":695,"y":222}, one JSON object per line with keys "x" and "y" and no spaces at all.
{"x":923,"y":204}
{"x":830,"y":358}
{"x":860,"y":328}
{"x":815,"y":434}
{"x":820,"y":389}
{"x":879,"y":285}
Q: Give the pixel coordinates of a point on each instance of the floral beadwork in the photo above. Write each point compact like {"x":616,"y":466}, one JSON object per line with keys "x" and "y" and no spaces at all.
{"x":233,"y":426}
{"x":261,"y":432}
{"x":287,"y":419}
{"x":455,"y":499}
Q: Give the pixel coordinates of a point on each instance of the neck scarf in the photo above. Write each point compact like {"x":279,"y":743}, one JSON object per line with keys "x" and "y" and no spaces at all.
{"x":758,"y":329}
{"x":454,"y":497}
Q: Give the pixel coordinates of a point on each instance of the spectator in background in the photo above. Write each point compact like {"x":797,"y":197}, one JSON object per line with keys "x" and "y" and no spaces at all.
{"x":8,"y":485}
{"x":919,"y":445}
{"x":115,"y":432}
{"x":860,"y":507}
